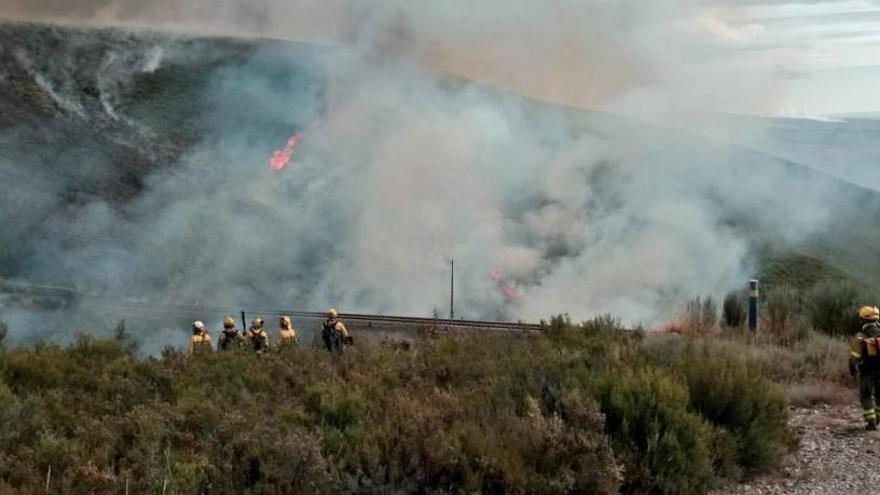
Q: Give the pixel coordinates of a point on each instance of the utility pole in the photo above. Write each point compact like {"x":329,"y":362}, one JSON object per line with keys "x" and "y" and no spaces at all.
{"x":452,"y":290}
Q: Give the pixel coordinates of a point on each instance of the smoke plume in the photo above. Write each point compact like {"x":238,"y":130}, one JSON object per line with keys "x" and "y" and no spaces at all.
{"x":402,"y":168}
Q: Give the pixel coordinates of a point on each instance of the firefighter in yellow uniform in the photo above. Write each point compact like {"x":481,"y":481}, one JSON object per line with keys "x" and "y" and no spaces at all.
{"x":229,"y":338}
{"x":200,"y":342}
{"x":257,"y":337}
{"x":286,"y":332}
{"x":864,"y":361}
{"x":334,"y":333}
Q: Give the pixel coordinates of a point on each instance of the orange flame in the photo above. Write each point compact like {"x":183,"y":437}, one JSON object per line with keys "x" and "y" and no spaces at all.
{"x":280,"y":158}
{"x":507,"y":289}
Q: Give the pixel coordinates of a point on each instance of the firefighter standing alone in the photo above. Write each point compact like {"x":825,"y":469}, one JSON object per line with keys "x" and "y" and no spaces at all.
{"x":864,"y":362}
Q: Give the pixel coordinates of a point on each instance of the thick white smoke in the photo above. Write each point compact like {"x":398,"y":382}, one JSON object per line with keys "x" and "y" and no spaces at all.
{"x":402,"y":169}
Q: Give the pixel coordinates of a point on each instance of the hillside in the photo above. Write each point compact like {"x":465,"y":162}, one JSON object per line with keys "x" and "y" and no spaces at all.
{"x":117,"y":146}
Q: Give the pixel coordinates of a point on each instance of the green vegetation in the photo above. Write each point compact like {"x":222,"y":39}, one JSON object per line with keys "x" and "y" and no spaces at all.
{"x":580,"y":408}
{"x":733,"y":309}
{"x":798,"y":270}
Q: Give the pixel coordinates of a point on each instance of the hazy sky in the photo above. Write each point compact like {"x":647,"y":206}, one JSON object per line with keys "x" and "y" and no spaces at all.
{"x":831,"y":48}
{"x":745,"y":56}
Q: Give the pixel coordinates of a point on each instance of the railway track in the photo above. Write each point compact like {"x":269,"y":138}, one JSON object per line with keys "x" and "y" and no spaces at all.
{"x":199,"y":311}
{"x":367,"y":319}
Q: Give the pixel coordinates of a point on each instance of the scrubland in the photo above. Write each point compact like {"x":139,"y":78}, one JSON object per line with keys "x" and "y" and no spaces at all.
{"x":580,"y":408}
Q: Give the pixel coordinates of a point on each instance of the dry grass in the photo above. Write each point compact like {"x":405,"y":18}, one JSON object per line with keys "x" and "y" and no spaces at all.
{"x":811,"y":394}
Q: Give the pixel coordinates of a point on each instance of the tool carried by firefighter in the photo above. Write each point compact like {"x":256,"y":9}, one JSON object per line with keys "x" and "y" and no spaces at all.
{"x":864,"y":362}
{"x":200,"y":342}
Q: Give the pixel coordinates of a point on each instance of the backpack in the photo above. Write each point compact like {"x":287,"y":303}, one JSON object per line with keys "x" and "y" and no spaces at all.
{"x":870,"y":348}
{"x":228,"y":338}
{"x":259,"y":341}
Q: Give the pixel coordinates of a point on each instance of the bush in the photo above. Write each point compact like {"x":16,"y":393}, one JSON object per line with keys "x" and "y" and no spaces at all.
{"x":553,"y":413}
{"x":728,"y":387}
{"x":700,"y":315}
{"x":833,"y":307}
{"x":783,"y":318}
{"x":664,"y":447}
{"x":734,"y":311}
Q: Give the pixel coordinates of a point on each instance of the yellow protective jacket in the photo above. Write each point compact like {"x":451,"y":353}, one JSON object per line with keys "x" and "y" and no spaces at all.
{"x":200,"y":343}
{"x":865,"y":350}
{"x":286,"y":336}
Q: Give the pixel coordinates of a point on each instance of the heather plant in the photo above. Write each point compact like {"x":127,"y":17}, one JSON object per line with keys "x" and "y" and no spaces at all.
{"x":664,"y":447}
{"x":576,"y":409}
{"x":700,"y":315}
{"x":833,"y":307}
{"x":730,"y":394}
{"x":784,"y":315}
{"x":733,"y":310}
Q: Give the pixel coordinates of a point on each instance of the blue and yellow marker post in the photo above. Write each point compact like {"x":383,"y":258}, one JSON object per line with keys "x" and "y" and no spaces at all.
{"x":753,"y":305}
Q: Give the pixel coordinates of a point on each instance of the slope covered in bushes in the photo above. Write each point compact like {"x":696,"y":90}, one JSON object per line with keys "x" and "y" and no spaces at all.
{"x":578,"y":409}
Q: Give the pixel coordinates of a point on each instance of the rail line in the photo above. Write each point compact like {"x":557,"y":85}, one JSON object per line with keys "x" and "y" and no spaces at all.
{"x":101,"y":301}
{"x":349,"y":317}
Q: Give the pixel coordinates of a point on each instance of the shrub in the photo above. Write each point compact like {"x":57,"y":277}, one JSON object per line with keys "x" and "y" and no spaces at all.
{"x":4,"y":330}
{"x":833,"y":307}
{"x":730,"y":394}
{"x":552,"y":413}
{"x":700,"y":315}
{"x":662,"y":445}
{"x":783,"y":318}
{"x":727,"y":386}
{"x":733,"y":311}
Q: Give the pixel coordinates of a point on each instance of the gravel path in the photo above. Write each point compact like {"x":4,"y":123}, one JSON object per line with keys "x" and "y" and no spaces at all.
{"x":836,"y":456}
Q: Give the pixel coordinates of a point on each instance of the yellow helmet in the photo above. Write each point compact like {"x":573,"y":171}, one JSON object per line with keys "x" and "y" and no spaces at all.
{"x":228,"y":322}
{"x":332,"y":313}
{"x":869,"y":313}
{"x":257,"y":323}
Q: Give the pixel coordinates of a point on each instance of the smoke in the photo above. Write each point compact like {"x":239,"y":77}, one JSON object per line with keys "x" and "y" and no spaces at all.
{"x":61,"y":96}
{"x":583,"y":53}
{"x":401,"y":168}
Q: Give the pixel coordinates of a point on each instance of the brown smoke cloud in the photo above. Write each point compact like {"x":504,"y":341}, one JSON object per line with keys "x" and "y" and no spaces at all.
{"x":582,"y":53}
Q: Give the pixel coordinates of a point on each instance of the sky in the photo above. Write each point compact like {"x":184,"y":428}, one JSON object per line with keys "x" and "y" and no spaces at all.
{"x":829,"y":47}
{"x":788,"y":58}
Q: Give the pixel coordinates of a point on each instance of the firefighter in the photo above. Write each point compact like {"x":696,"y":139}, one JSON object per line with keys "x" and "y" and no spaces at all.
{"x":200,"y":342}
{"x":257,"y":337}
{"x":286,"y":332}
{"x":334,"y":332}
{"x":864,"y":362}
{"x":230,"y":338}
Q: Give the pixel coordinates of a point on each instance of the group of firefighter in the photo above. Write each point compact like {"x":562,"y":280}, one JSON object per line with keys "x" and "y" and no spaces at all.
{"x":333,"y":333}
{"x":864,"y":359}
